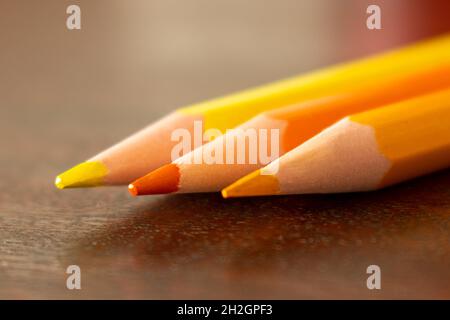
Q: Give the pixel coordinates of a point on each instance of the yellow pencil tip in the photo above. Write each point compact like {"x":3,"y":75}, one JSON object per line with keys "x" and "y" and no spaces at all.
{"x":86,"y":174}
{"x":58,"y":183}
{"x":254,"y":184}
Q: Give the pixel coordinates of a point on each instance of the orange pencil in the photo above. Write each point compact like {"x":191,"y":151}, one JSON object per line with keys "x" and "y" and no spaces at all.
{"x":296,"y":124}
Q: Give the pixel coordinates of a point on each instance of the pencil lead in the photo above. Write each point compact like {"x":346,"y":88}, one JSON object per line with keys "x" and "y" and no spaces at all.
{"x":253,"y":184}
{"x":133,"y":190}
{"x":86,"y":174}
{"x":160,"y":181}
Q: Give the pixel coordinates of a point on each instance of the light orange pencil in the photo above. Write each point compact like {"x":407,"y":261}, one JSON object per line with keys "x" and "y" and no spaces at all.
{"x":362,"y":152}
{"x":296,"y":124}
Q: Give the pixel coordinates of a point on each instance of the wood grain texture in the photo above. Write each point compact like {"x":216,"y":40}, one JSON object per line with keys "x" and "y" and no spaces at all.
{"x":55,"y":89}
{"x":201,"y":246}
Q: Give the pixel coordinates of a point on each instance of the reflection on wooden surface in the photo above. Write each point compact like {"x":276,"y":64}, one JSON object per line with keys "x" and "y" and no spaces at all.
{"x":201,"y":246}
{"x":286,"y":247}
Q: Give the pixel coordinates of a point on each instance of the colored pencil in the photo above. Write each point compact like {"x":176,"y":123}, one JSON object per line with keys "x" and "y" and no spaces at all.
{"x":362,"y":152}
{"x":152,"y":147}
{"x":295,"y":123}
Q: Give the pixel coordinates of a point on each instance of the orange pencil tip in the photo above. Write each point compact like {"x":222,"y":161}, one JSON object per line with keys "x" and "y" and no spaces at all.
{"x":161,"y":181}
{"x":254,"y":184}
{"x":133,"y":190}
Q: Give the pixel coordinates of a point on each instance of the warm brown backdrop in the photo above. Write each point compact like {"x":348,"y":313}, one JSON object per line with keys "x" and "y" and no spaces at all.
{"x":64,"y":95}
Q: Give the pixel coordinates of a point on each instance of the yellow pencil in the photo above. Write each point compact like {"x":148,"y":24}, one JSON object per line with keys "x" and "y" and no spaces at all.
{"x":362,"y":152}
{"x":152,"y":147}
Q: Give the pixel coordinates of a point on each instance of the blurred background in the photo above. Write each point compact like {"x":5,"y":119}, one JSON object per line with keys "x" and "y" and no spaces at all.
{"x":134,"y":56}
{"x":65,"y":95}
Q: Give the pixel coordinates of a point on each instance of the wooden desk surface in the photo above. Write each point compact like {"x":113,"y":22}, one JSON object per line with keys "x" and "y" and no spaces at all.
{"x":201,"y":246}
{"x":66,"y":95}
